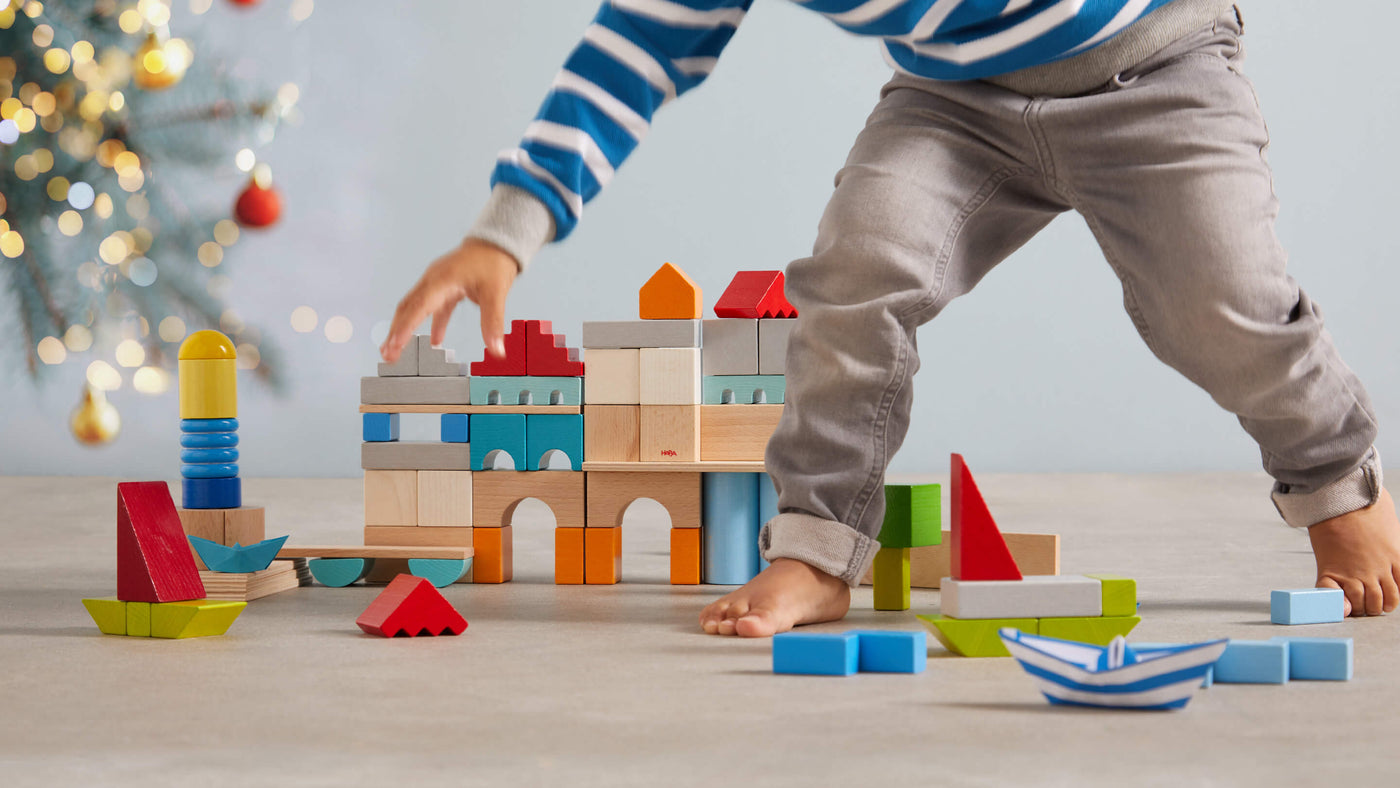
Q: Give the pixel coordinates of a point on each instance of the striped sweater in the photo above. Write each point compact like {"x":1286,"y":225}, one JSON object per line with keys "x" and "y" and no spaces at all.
{"x":638,"y":55}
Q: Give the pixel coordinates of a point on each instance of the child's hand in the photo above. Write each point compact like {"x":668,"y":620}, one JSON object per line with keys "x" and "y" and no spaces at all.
{"x":1359,"y":552}
{"x":475,"y":270}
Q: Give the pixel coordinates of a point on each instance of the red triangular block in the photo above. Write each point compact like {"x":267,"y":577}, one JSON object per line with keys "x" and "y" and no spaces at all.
{"x":547,"y":353}
{"x":977,"y":550}
{"x":755,"y":294}
{"x":411,"y":606}
{"x":154,"y":563}
{"x":513,"y":363}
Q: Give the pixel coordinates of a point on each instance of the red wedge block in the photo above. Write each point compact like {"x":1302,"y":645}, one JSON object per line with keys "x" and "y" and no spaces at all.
{"x":154,"y":562}
{"x":513,"y":363}
{"x":755,"y":294}
{"x":547,"y":353}
{"x":411,"y":606}
{"x":977,"y":550}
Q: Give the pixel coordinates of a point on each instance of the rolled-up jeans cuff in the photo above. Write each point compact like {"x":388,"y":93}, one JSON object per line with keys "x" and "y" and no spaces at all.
{"x":1356,"y":490}
{"x":831,"y":547}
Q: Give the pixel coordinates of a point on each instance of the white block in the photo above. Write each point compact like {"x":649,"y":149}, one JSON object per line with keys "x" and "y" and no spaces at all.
{"x":612,"y":377}
{"x":1037,"y":596}
{"x":772,"y":345}
{"x":670,"y":376}
{"x":729,"y":346}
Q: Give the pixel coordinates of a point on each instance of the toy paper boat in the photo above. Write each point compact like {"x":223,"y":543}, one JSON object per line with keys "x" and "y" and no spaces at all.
{"x":1113,"y":676}
{"x":239,"y":558}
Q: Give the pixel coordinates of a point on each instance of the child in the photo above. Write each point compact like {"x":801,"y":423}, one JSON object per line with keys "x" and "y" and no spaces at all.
{"x":1001,"y":115}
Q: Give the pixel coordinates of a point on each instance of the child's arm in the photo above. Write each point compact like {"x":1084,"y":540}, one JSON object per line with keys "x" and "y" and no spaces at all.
{"x":635,"y":57}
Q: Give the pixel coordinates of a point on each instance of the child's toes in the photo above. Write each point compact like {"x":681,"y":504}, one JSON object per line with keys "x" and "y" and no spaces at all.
{"x":1328,"y":582}
{"x":1391,"y":591}
{"x":712,"y":615}
{"x":759,"y":623}
{"x":1375,"y":598}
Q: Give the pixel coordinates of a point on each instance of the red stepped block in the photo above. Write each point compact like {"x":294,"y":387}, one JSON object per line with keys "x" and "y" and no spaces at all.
{"x":547,"y":353}
{"x":411,"y":606}
{"x":977,"y":551}
{"x":514,"y":362}
{"x":154,"y":562}
{"x":755,"y":294}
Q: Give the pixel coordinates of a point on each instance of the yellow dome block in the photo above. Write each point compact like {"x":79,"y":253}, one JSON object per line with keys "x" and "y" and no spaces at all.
{"x":207,"y":344}
{"x":208,"y":388}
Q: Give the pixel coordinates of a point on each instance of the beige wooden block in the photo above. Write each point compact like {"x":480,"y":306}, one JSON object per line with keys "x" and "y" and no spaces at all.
{"x":204,"y":523}
{"x":391,"y":497}
{"x":612,"y":377}
{"x":413,"y":536}
{"x":245,"y":525}
{"x":732,"y":466}
{"x":1034,"y":554}
{"x":444,"y":498}
{"x":612,"y":433}
{"x":611,"y":492}
{"x":495,"y":494}
{"x":736,"y":432}
{"x":375,"y":551}
{"x":670,"y":433}
{"x":670,"y":375}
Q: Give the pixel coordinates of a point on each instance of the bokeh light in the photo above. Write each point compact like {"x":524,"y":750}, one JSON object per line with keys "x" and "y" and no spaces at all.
{"x":304,"y":320}
{"x":210,"y":254}
{"x":52,"y":351}
{"x":129,"y":353}
{"x":339,"y":329}
{"x":248,"y":356}
{"x":171,"y":329}
{"x":230,"y":322}
{"x":77,"y":338}
{"x":81,"y":195}
{"x":142,"y":272}
{"x":104,"y":376}
{"x":70,"y":223}
{"x":151,"y":380}
{"x":226,"y":232}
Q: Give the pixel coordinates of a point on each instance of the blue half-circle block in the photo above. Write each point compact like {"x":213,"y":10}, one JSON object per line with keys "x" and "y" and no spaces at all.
{"x":209,"y":425}
{"x":440,"y":572}
{"x":210,"y":471}
{"x":205,"y":456}
{"x":209,"y":440}
{"x":222,"y":493}
{"x":339,"y":572}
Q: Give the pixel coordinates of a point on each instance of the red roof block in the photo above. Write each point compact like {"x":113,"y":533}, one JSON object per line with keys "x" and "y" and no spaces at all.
{"x":513,"y":363}
{"x":977,"y":550}
{"x":755,"y":294}
{"x":154,"y":562}
{"x":547,"y":353}
{"x":411,"y":606}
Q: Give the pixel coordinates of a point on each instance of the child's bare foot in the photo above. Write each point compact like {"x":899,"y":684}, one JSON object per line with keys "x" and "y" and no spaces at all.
{"x":1359,"y":552}
{"x":786,"y":594}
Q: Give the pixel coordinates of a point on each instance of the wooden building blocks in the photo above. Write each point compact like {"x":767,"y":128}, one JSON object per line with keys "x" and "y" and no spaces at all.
{"x":454,"y":428}
{"x":615,"y":334}
{"x":406,"y":366}
{"x":686,"y":563}
{"x":816,"y":654}
{"x":238,"y":558}
{"x":444,"y":499}
{"x":913,"y":515}
{"x":568,"y":556}
{"x":755,"y":294}
{"x":976,"y":637}
{"x":340,"y":565}
{"x":730,"y":527}
{"x":411,"y":536}
{"x":204,"y":524}
{"x":669,"y":295}
{"x":612,"y":433}
{"x":547,"y":353}
{"x":208,"y":366}
{"x":436,"y":362}
{"x":1032,"y":597}
{"x":670,"y":433}
{"x":670,"y":376}
{"x":1119,"y":596}
{"x":729,"y":432}
{"x":504,"y":432}
{"x":1035,"y":554}
{"x":1099,"y":630}
{"x":1318,"y":659}
{"x":514,"y":361}
{"x":411,"y":606}
{"x":613,"y":376}
{"x":109,"y":614}
{"x":978,"y":550}
{"x":167,"y":620}
{"x":419,"y":455}
{"x":527,"y":390}
{"x":892,"y":651}
{"x":549,"y":432}
{"x":729,"y":346}
{"x":415,"y":391}
{"x":494,"y":560}
{"x":1253,"y":662}
{"x":391,"y":497}
{"x":743,"y":389}
{"x":891,"y":575}
{"x":609,"y":495}
{"x":1306,"y":606}
{"x":772,"y":346}
{"x":380,"y":427}
{"x":247,"y":586}
{"x":602,"y":555}
{"x":154,"y":562}
{"x":496,"y":494}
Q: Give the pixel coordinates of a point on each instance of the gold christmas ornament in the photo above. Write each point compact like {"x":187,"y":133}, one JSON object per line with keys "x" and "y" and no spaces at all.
{"x":95,"y":421}
{"x":159,"y":64}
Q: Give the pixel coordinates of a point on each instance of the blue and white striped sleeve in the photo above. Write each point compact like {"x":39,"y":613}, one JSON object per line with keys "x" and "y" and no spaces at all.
{"x":636,"y":56}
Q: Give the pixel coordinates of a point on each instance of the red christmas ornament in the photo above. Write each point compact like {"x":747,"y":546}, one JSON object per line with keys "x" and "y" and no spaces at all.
{"x":245,"y":2}
{"x":258,"y":206}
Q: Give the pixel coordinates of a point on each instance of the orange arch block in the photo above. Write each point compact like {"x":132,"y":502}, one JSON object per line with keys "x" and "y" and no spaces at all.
{"x":669,"y":295}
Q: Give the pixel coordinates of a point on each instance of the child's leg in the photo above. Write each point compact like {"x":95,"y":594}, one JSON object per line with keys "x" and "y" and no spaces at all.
{"x":1168,"y":168}
{"x":936,"y":191}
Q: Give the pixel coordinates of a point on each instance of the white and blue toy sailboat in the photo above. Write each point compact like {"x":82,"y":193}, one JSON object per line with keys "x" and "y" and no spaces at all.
{"x":1114,"y":676}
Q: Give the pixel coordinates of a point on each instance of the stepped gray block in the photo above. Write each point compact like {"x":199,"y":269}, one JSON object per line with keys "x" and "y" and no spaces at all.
{"x":406,"y":366}
{"x":772,"y":345}
{"x":416,"y":456}
{"x":729,"y":346}
{"x":415,"y":391}
{"x":641,"y":333}
{"x":437,"y":362}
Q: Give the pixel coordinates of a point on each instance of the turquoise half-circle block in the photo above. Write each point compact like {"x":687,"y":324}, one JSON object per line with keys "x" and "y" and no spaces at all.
{"x":340,"y":572}
{"x":441,"y":572}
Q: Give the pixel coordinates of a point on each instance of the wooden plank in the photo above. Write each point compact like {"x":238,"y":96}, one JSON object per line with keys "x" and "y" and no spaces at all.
{"x":1035,"y":554}
{"x":612,"y":433}
{"x":391,"y":497}
{"x":737,"y":432}
{"x":413,"y":536}
{"x":470,"y":409}
{"x":376,"y":551}
{"x":247,"y":586}
{"x":674,"y":467}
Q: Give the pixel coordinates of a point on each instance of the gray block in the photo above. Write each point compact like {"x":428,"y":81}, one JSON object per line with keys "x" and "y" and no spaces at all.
{"x":1035,"y":596}
{"x":772,"y":345}
{"x":729,"y":346}
{"x":641,"y":333}
{"x":406,"y":366}
{"x":416,"y":456}
{"x":415,"y":391}
{"x":437,"y":362}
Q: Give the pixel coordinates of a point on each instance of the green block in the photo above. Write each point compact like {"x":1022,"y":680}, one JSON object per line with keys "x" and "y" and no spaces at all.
{"x":1119,"y":595}
{"x":138,"y":619}
{"x":109,"y":614}
{"x":892,"y":578}
{"x":1099,"y":631}
{"x":913,"y":515}
{"x":195,"y":618}
{"x":976,"y":637}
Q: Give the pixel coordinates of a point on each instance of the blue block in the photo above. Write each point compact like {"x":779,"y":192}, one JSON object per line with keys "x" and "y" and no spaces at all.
{"x":1253,"y":662}
{"x":886,"y":651}
{"x":526,"y":390}
{"x":1306,"y":606}
{"x":729,"y":516}
{"x":811,"y":654}
{"x":1318,"y":659}
{"x":380,"y":427}
{"x":497,"y":432}
{"x":767,"y":508}
{"x":546,"y":431}
{"x":454,"y":428}
{"x":743,"y":389}
{"x":222,"y":493}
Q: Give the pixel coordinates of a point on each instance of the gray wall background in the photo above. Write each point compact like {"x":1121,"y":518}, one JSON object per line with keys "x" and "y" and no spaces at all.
{"x":406,"y":105}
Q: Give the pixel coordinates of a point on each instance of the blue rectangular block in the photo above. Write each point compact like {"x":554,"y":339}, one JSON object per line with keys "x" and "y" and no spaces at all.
{"x":454,"y":429}
{"x":1318,"y":659}
{"x":812,"y":654}
{"x":380,"y":427}
{"x":546,"y":432}
{"x":497,"y":432}
{"x":1306,"y":606}
{"x":729,"y":516}
{"x":225,"y":493}
{"x":1253,"y":662}
{"x":886,"y":651}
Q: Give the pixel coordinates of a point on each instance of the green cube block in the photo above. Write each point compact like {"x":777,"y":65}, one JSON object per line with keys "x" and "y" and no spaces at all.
{"x":1119,"y":595}
{"x":1099,"y":630}
{"x":138,"y":619}
{"x":892,"y":578}
{"x":976,"y":637}
{"x":913,"y":515}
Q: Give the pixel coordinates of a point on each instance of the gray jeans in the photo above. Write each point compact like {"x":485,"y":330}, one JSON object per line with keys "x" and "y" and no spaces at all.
{"x":1166,"y":164}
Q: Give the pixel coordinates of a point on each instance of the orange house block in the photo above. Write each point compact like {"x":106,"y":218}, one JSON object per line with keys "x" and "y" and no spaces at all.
{"x":493,"y":562}
{"x":669,"y":295}
{"x":685,"y":556}
{"x":602,"y":555}
{"x":568,"y":556}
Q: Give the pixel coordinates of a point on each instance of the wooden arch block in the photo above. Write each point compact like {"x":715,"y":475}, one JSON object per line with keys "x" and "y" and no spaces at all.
{"x":611,"y":492}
